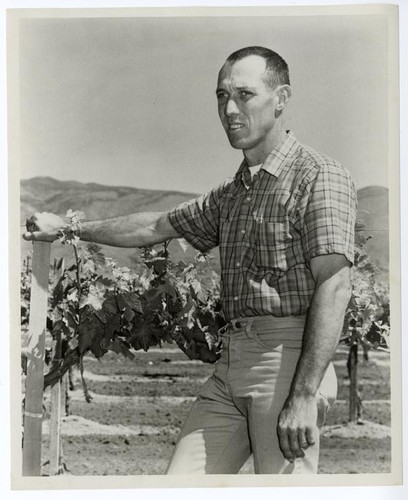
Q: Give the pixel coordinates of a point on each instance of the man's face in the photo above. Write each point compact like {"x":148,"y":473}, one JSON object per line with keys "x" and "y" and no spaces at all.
{"x":246,"y":105}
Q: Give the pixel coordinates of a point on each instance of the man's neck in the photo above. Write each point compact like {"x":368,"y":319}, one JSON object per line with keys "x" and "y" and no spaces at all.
{"x":258,"y":155}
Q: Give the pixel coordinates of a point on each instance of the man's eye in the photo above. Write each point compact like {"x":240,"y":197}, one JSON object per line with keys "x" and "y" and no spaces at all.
{"x":221,"y":95}
{"x":245,"y":93}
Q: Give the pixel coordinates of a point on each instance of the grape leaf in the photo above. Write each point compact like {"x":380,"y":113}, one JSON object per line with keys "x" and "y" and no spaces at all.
{"x":168,"y":289}
{"x":120,"y":348}
{"x":200,"y":291}
{"x":128,"y":314}
{"x":90,"y":335}
{"x":132,"y":300}
{"x":95,"y":297}
{"x":110,"y":305}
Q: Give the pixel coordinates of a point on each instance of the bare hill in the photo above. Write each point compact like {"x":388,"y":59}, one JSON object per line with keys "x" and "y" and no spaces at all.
{"x":96,"y":200}
{"x":373,"y":209}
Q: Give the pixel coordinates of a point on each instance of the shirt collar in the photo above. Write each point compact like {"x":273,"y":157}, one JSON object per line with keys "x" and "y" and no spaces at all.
{"x":274,"y":162}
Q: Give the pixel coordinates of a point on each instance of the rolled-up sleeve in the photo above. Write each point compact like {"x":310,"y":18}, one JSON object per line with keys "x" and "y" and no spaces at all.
{"x":197,"y":220}
{"x":329,"y":207}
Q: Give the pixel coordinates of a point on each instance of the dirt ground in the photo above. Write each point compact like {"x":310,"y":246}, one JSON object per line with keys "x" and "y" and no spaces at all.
{"x":131,"y":426}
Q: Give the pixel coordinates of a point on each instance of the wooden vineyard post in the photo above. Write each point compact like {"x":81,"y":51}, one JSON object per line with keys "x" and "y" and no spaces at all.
{"x":65,"y":395}
{"x":57,"y":391}
{"x":33,"y":406}
{"x":352,"y":368}
{"x":55,"y":428}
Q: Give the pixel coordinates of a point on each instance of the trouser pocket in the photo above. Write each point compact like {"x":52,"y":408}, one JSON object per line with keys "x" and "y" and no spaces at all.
{"x":289,"y":338}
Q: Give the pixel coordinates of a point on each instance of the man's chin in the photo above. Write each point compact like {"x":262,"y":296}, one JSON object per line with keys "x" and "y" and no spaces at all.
{"x":236,"y":143}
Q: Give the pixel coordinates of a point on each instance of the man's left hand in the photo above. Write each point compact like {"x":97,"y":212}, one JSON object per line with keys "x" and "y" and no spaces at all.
{"x":297,"y":426}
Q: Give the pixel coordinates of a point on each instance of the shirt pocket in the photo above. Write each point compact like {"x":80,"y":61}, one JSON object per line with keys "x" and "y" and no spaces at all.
{"x":229,"y":203}
{"x":271,"y":242}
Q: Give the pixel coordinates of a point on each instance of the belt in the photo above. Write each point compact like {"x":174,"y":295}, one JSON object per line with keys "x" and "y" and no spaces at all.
{"x":251,"y":322}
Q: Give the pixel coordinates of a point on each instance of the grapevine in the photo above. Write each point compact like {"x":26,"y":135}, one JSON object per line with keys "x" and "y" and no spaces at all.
{"x":96,"y":306}
{"x":367,"y":318}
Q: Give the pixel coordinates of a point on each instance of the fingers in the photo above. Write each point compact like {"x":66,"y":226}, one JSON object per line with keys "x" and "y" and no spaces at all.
{"x":303,"y":441}
{"x":293,"y":441}
{"x":28,"y":236}
{"x":39,"y":236}
{"x":291,"y":445}
{"x":285,"y":445}
{"x":294,"y":444}
{"x":311,"y":435}
{"x":297,"y":426}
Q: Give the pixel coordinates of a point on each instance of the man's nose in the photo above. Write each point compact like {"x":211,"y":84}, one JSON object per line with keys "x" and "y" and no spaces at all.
{"x":231,"y":108}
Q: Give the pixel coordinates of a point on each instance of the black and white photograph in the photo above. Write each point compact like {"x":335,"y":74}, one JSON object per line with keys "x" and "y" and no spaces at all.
{"x":206,"y":278}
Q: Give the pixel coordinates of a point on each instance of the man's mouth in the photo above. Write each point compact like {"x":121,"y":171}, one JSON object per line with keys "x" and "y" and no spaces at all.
{"x":235,"y":126}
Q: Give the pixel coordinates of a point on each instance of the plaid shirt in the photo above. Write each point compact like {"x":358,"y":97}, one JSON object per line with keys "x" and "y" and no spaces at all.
{"x":301,"y":204}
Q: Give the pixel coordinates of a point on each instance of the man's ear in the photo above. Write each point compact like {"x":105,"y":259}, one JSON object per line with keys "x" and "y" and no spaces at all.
{"x":284,"y":93}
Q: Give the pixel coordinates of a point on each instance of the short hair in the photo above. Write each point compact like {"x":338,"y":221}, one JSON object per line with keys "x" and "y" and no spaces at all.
{"x":276,"y":68}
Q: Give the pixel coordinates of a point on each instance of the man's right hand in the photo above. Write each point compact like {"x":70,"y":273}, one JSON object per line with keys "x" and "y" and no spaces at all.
{"x":43,"y":227}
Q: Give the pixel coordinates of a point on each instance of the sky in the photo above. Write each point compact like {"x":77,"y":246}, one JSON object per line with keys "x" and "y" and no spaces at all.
{"x":131,"y":101}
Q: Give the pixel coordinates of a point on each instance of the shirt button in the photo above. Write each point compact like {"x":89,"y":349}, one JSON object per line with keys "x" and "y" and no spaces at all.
{"x":248,"y":198}
{"x":238,"y":264}
{"x":243,"y":231}
{"x":236,"y":298}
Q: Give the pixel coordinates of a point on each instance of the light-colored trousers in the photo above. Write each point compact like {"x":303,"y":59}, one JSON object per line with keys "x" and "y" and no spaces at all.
{"x":237,"y":409}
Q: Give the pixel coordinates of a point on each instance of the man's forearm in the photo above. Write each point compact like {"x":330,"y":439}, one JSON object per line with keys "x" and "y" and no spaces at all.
{"x":322,"y":333}
{"x":297,"y":423}
{"x":135,"y":230}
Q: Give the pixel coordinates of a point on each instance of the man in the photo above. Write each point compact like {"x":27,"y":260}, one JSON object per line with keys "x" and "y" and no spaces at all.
{"x":284,"y":226}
